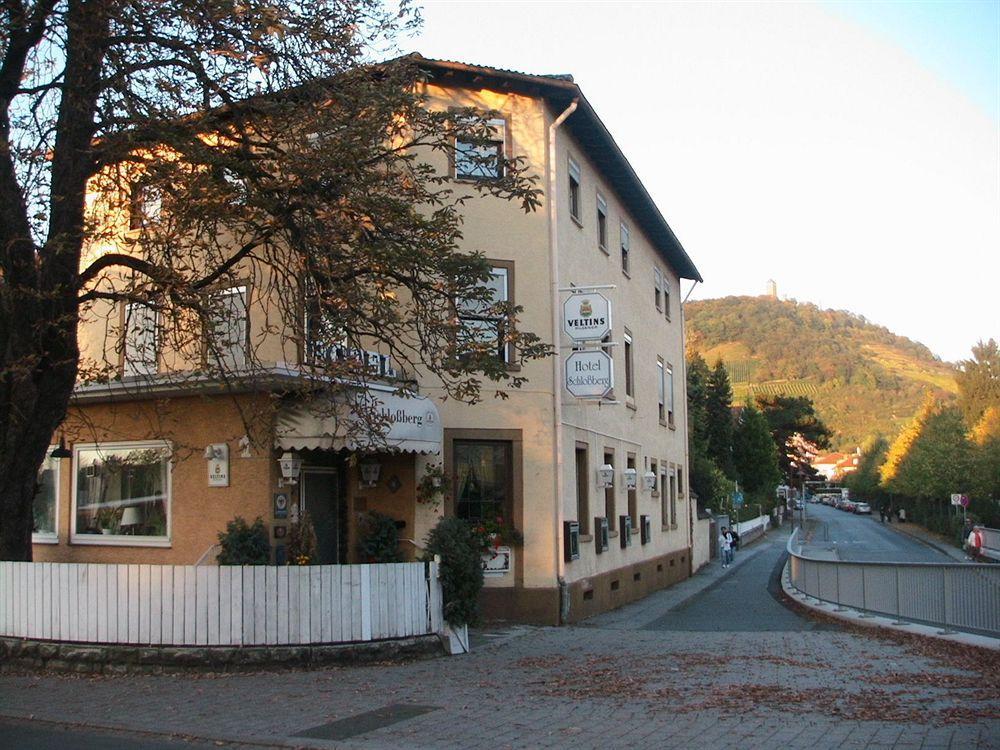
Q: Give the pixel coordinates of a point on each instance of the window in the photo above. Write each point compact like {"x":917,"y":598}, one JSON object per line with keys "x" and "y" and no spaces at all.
{"x":146,"y":205}
{"x":629,"y":374}
{"x":122,"y":494}
{"x":626,"y":245}
{"x":609,"y":493}
{"x":141,"y":345}
{"x":45,"y":508}
{"x":483,"y":479}
{"x":670,"y":395}
{"x":680,"y":483}
{"x":673,"y":499}
{"x":656,"y":476}
{"x":482,"y":159}
{"x":666,"y":297}
{"x":574,"y":189}
{"x":582,"y":488}
{"x":662,"y":380}
{"x":602,"y":223}
{"x":664,"y":497}
{"x":227,"y":328}
{"x":482,"y":323}
{"x":658,"y":285}
{"x":633,"y":494}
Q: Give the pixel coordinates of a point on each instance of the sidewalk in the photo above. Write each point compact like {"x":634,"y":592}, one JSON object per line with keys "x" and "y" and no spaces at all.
{"x":938,"y":541}
{"x":644,"y":611}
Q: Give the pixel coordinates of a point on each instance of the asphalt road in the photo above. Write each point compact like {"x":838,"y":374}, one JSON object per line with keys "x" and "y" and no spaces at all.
{"x":846,"y":536}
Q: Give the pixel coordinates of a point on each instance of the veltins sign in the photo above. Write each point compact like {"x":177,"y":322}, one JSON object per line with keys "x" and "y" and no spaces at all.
{"x":589,"y":374}
{"x":587,"y":317}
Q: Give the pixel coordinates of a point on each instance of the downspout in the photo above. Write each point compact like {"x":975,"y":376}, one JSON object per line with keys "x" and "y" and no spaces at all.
{"x":687,"y":439}
{"x":557,"y":364}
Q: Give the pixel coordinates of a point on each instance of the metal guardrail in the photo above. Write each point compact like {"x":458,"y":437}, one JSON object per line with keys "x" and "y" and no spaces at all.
{"x":950,"y":595}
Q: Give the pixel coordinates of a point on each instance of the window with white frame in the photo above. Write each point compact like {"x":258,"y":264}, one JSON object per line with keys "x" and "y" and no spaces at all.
{"x":673,"y":499}
{"x":666,"y":296}
{"x":574,"y":189}
{"x":480,"y":318}
{"x":121,"y":493}
{"x":629,"y":369}
{"x":664,"y":496}
{"x":227,"y":328}
{"x":626,"y":243}
{"x":662,"y":396}
{"x":670,"y":395}
{"x":602,"y":223}
{"x":658,"y":288}
{"x":482,"y":159}
{"x":141,"y":345}
{"x":45,"y":509}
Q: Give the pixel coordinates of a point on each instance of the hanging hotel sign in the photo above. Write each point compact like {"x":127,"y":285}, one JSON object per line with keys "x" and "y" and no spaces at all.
{"x":587,"y":317}
{"x":589,"y":373}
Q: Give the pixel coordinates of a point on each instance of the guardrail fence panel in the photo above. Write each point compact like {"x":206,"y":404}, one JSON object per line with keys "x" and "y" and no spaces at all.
{"x":184,"y":605}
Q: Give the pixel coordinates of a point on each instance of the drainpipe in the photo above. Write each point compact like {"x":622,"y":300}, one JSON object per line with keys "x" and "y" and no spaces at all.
{"x":557,"y":364}
{"x":687,"y":457}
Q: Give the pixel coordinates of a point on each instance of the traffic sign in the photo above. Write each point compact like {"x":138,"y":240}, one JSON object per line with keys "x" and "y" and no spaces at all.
{"x":738,"y":499}
{"x":590,"y":373}
{"x":960,"y":499}
{"x":587,"y":317}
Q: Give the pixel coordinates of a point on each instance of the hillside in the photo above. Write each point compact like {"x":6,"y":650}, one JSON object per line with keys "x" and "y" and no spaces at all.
{"x":863,"y":378}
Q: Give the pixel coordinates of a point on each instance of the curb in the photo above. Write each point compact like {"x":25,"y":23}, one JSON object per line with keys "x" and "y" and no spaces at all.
{"x":864,"y":619}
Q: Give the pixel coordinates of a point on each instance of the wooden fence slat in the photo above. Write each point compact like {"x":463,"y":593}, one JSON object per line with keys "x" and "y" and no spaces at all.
{"x":248,"y":634}
{"x":326,"y":603}
{"x":225,"y":604}
{"x":155,"y":604}
{"x":190,"y":604}
{"x":166,"y":604}
{"x":133,"y":604}
{"x":305,"y":605}
{"x":103,"y":606}
{"x":259,"y":605}
{"x":366,"y":602}
{"x":177,"y":637}
{"x":236,"y":605}
{"x":201,"y":605}
{"x":5,"y":597}
{"x":282,"y":606}
{"x":214,"y":607}
{"x":315,"y":604}
{"x":271,"y":589}
{"x":145,"y":605}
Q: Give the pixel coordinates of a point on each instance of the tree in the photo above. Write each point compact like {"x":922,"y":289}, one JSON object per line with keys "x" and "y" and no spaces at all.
{"x":718,"y":408}
{"x":706,"y":479}
{"x":755,"y":455}
{"x":978,"y":381}
{"x":985,"y":438}
{"x":248,"y":141}
{"x":789,"y":417}
{"x":865,"y":483}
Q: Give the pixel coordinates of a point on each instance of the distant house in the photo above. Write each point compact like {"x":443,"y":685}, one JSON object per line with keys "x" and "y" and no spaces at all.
{"x":826,"y":464}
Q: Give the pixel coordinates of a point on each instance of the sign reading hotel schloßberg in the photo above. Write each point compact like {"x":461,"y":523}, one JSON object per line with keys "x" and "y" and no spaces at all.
{"x":589,"y":374}
{"x":587,"y":317}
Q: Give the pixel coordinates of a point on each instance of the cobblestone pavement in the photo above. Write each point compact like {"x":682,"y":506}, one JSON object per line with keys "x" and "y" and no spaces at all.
{"x":607,"y":684}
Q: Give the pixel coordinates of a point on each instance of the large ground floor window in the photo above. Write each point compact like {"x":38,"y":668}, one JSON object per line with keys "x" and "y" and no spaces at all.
{"x":483,"y":476}
{"x":122,"y":493}
{"x":46,"y":502}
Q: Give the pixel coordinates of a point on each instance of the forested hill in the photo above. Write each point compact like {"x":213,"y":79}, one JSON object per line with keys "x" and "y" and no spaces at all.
{"x":863,"y":378}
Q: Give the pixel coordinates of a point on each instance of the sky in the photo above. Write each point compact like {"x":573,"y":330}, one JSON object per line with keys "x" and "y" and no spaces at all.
{"x":849,"y":151}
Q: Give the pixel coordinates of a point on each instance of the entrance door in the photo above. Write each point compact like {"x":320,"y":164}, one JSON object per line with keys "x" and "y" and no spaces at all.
{"x":321,"y":498}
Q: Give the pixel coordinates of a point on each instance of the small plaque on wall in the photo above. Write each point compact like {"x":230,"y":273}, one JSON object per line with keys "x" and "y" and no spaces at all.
{"x":281,"y":505}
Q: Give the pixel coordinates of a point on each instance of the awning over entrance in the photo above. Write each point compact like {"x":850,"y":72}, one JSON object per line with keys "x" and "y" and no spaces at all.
{"x":412,"y":424}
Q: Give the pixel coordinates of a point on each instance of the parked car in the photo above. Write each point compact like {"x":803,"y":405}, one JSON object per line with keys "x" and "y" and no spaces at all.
{"x":863,"y":508}
{"x":848,"y":505}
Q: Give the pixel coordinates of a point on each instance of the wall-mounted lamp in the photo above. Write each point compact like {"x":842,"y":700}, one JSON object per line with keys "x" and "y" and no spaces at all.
{"x":291,"y":466}
{"x":631,"y":478}
{"x":606,"y":476}
{"x":213,"y":452}
{"x":370,"y":471}
{"x":649,"y":481}
{"x":62,"y":451}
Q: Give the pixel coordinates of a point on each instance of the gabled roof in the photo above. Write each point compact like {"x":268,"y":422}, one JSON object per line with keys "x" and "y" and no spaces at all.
{"x":586,"y":127}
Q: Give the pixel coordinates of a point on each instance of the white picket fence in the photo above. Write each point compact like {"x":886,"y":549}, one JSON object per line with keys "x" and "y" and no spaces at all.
{"x":187,"y":605}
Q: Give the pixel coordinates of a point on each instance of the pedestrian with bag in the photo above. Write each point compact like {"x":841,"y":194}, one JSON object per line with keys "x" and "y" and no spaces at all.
{"x":974,"y":544}
{"x":726,"y":542}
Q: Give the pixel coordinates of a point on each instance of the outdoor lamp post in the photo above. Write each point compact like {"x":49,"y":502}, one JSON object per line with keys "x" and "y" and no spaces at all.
{"x":291,"y":466}
{"x":370,"y":471}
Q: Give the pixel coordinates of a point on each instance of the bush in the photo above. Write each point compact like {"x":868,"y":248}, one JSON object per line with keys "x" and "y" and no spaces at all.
{"x":302,"y":541}
{"x":460,"y":548}
{"x":244,"y":545}
{"x":378,"y":541}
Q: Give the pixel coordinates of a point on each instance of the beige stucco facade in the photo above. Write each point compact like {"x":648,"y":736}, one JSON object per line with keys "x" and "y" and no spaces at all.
{"x":557,"y":442}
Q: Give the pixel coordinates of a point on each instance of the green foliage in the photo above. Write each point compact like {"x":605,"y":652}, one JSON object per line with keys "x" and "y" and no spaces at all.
{"x":302,"y":541}
{"x":244,"y":544}
{"x":718,"y":407}
{"x":788,"y":417}
{"x":862,"y":378}
{"x":978,"y":381}
{"x":866,"y":482}
{"x":461,"y":549}
{"x":378,"y":538}
{"x":755,"y":455}
{"x":706,"y":479}
{"x":985,"y":438}
{"x":932,"y":457}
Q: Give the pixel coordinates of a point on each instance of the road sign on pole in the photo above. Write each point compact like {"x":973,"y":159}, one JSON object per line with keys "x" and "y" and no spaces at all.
{"x":738,"y":499}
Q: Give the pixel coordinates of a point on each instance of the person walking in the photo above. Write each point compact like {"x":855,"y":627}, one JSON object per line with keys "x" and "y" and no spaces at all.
{"x":974,"y":544}
{"x":726,"y":545}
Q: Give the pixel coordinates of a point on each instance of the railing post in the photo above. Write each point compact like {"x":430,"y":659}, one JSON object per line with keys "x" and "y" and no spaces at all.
{"x":899,"y":612}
